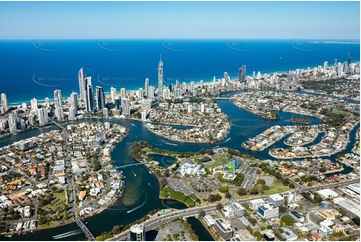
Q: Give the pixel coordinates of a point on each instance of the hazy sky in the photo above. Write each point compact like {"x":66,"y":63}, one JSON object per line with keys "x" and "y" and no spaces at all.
{"x":337,"y":20}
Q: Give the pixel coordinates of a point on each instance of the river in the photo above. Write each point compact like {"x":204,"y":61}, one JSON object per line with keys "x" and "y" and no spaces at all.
{"x":141,"y":194}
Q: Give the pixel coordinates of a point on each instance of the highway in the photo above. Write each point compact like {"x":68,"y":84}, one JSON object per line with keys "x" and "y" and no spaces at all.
{"x":189,"y":212}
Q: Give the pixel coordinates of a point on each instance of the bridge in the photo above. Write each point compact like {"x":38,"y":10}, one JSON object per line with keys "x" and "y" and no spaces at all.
{"x":223,"y":98}
{"x":134,"y":164}
{"x":84,"y":228}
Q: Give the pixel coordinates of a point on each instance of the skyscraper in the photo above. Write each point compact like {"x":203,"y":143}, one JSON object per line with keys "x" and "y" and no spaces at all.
{"x":125,"y":106}
{"x":349,"y":60}
{"x":4,"y":102}
{"x":242,"y":74}
{"x":325,"y":66}
{"x":82,"y":85}
{"x":146,"y":86}
{"x":100,"y":98}
{"x":151,"y":91}
{"x":73,"y":100}
{"x":58,"y":101}
{"x":73,"y":109}
{"x":140,"y":93}
{"x":123,"y":92}
{"x":226,"y":79}
{"x":43,"y":116}
{"x":160,"y":77}
{"x":113,"y":94}
{"x":34,"y":104}
{"x":12,"y":122}
{"x":89,"y":99}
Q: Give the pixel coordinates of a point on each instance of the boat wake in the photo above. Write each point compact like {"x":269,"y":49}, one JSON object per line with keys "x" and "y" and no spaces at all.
{"x":67,"y":234}
{"x":168,"y":143}
{"x":145,"y":200}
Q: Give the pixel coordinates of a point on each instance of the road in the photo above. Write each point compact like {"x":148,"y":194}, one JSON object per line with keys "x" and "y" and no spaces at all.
{"x":71,"y":191}
{"x":189,"y":212}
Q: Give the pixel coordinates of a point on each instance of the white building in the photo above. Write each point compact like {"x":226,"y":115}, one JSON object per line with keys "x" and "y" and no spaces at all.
{"x":276,"y":199}
{"x":254,"y":204}
{"x":209,"y":220}
{"x":228,"y":211}
{"x":268,"y":211}
{"x":327,"y":193}
{"x":238,"y":209}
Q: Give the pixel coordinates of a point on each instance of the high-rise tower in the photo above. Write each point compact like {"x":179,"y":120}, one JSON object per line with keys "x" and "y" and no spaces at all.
{"x":242,"y":74}
{"x":82,"y":84}
{"x":58,"y":101}
{"x":160,"y":76}
{"x":4,"y":102}
{"x":100,"y":98}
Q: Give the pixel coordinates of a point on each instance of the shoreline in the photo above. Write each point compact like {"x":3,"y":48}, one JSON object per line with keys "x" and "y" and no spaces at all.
{"x":304,"y":143}
{"x":316,"y":156}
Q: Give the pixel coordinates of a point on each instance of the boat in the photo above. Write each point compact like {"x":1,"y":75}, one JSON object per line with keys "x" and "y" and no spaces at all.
{"x":227,"y":140}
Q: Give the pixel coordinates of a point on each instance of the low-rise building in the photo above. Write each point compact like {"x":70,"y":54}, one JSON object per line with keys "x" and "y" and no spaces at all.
{"x":288,"y":234}
{"x":298,"y":217}
{"x":268,"y":235}
{"x":224,"y":229}
{"x":238,"y":209}
{"x":254,"y":204}
{"x":277,"y":199}
{"x":228,"y":211}
{"x":209,"y":220}
{"x":324,"y":231}
{"x":327,"y":193}
{"x":268,"y":211}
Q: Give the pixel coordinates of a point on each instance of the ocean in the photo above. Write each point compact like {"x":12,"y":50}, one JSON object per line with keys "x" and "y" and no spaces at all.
{"x":35,"y":68}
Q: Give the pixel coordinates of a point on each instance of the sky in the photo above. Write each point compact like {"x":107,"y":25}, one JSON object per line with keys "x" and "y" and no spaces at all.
{"x":216,"y":20}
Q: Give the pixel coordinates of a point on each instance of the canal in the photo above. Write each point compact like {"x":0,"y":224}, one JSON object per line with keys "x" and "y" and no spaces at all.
{"x":141,"y":194}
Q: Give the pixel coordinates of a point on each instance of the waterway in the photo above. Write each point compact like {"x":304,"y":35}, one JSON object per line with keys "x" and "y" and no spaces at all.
{"x":200,"y":230}
{"x":141,"y":194}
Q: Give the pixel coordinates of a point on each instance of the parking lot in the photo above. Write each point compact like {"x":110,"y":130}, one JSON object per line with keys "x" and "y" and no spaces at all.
{"x":179,"y":185}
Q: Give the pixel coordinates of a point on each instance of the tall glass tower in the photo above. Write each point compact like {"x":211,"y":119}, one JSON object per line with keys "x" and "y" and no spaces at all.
{"x":160,"y":76}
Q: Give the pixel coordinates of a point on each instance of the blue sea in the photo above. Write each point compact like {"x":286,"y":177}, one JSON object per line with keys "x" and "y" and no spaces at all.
{"x":35,"y":68}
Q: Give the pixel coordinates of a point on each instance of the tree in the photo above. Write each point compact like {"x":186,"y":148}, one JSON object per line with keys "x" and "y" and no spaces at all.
{"x":286,"y":182}
{"x":116,"y":229}
{"x":356,"y":220}
{"x":288,"y":220}
{"x":201,"y":214}
{"x":343,"y":212}
{"x":282,"y":209}
{"x":228,"y":195}
{"x":214,"y":197}
{"x":223,"y":189}
{"x":219,"y":206}
{"x":241,"y":191}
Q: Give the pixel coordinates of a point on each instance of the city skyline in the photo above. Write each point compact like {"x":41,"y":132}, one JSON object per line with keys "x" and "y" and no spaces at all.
{"x":198,"y":20}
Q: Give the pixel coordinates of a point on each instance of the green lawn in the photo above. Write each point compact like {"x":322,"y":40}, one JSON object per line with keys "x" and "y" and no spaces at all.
{"x":222,"y":160}
{"x":276,"y":187}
